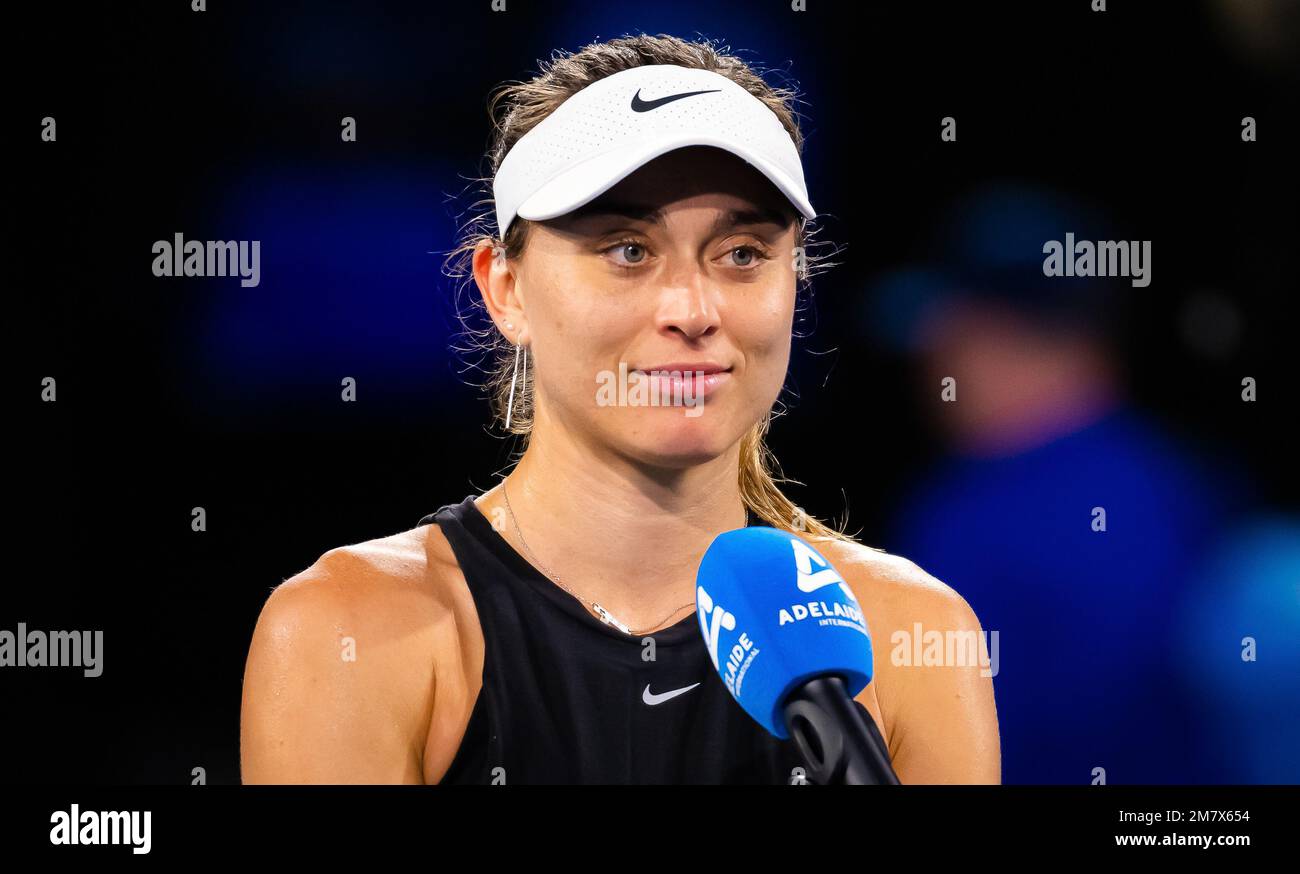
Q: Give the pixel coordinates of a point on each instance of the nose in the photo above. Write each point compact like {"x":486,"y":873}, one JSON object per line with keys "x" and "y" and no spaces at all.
{"x":689,"y":306}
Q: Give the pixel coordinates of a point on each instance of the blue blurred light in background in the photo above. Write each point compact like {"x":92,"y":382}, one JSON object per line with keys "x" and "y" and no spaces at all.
{"x":1249,"y":587}
{"x":351,"y":284}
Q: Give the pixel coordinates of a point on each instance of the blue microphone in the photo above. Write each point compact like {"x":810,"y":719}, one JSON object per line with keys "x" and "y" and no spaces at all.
{"x":788,"y":638}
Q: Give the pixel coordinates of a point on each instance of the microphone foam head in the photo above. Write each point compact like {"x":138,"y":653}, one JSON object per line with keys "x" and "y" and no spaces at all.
{"x":775,"y":614}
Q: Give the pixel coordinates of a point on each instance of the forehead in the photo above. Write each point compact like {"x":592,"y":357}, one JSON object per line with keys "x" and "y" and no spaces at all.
{"x":691,"y":172}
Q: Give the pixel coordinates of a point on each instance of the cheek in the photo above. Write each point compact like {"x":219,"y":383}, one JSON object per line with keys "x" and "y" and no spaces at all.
{"x":781,"y":327}
{"x":578,"y":327}
{"x":763,"y":329}
{"x":558,"y":307}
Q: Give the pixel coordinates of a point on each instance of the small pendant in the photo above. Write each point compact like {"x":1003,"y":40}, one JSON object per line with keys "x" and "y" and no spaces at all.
{"x":608,"y":619}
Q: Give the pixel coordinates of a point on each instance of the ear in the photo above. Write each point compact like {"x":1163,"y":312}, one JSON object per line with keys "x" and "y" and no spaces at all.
{"x":495,"y":277}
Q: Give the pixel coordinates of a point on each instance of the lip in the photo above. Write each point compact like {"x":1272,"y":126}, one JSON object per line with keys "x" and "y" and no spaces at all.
{"x":714,"y":376}
{"x":707,"y":367}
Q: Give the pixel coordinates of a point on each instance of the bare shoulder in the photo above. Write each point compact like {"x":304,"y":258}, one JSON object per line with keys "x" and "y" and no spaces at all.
{"x":376,"y":585}
{"x":894,"y":587}
{"x":342,"y":667}
{"x":934,"y":702}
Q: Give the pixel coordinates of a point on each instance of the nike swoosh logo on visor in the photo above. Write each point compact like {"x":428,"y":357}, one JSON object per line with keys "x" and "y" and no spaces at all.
{"x":652,"y":699}
{"x":639,"y":105}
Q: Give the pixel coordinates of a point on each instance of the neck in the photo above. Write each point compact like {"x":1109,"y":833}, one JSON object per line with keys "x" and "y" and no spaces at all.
{"x":623,"y":534}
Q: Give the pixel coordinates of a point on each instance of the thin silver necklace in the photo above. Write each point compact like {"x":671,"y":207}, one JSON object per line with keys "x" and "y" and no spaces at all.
{"x":603,"y":614}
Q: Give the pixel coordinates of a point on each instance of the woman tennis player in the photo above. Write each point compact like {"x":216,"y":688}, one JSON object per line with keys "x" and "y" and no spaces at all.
{"x":650,"y":223}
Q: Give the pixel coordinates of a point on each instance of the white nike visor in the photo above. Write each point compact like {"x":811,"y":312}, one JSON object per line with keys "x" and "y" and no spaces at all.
{"x":607,"y":130}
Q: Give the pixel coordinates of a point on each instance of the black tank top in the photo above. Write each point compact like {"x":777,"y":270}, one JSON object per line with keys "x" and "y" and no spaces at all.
{"x":568,"y":699}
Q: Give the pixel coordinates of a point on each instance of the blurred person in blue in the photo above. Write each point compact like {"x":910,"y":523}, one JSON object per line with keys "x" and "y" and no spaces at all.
{"x":1071,"y":517}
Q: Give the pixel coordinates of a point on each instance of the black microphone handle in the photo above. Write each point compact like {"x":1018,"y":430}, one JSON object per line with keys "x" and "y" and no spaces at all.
{"x":836,"y":736}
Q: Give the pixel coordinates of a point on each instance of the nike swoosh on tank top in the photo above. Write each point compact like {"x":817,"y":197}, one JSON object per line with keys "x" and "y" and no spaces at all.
{"x":564,"y":696}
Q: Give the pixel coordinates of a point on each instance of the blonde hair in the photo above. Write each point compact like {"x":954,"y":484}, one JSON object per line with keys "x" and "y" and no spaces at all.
{"x":515,"y":108}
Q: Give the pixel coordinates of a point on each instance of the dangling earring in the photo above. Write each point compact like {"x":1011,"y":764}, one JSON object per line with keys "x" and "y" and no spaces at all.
{"x":519,"y":350}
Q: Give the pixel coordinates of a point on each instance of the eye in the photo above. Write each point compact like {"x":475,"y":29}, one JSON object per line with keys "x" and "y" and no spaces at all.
{"x":633,"y":252}
{"x":748,"y":256}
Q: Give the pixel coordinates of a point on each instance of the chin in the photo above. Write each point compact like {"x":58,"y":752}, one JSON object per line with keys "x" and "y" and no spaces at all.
{"x":670,"y":438}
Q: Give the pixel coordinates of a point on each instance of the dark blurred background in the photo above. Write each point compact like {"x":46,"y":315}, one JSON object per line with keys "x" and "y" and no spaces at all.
{"x":1119,"y":650}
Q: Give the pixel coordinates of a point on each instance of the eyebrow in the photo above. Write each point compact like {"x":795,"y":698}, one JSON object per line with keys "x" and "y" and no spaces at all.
{"x":760,"y":216}
{"x":654,"y":215}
